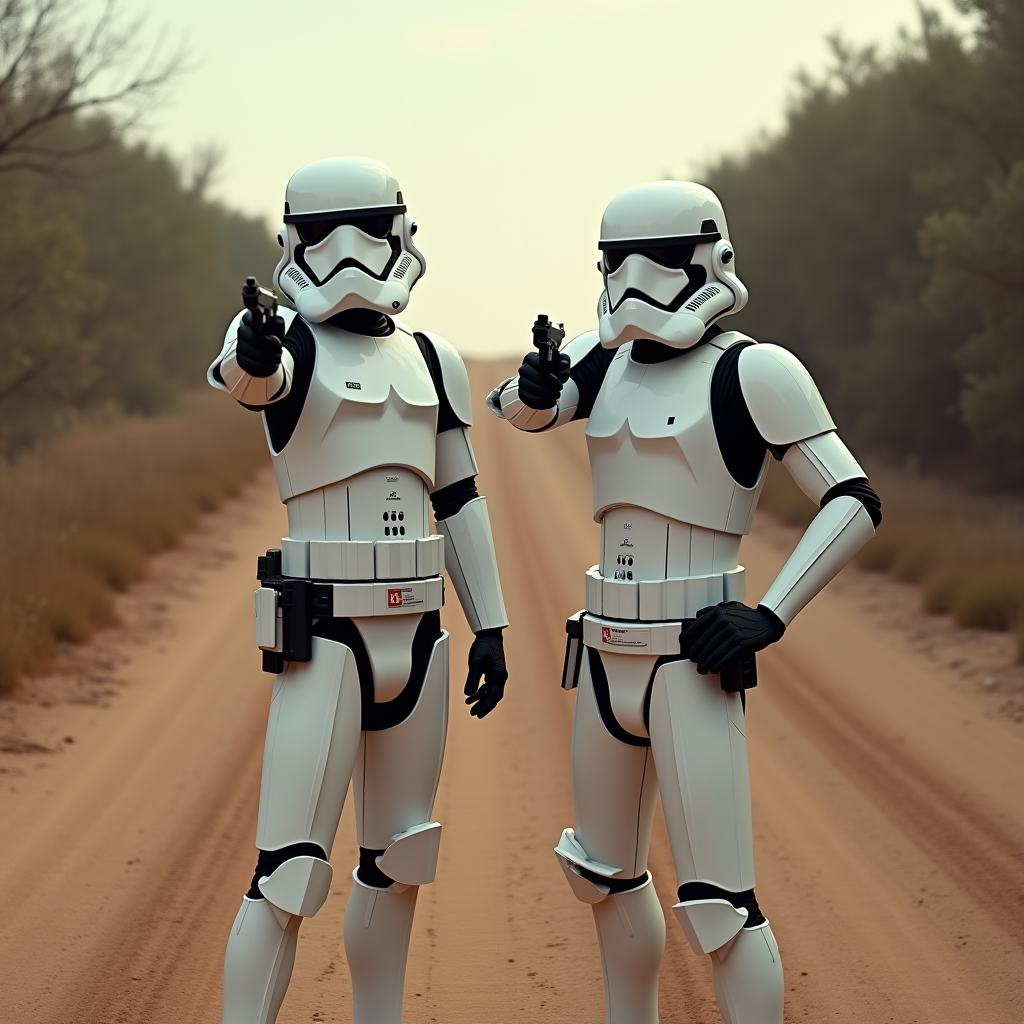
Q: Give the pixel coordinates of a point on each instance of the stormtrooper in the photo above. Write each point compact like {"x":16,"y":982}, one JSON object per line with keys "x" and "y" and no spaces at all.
{"x":683,"y":418}
{"x":367,"y":423}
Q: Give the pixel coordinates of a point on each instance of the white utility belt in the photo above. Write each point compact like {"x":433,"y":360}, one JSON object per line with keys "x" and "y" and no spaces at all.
{"x":348,"y":601}
{"x":413,"y":558}
{"x":392,"y":597}
{"x":650,"y":601}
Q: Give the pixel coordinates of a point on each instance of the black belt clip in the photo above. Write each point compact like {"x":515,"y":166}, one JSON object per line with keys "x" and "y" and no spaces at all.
{"x":573,"y":651}
{"x":301,"y":602}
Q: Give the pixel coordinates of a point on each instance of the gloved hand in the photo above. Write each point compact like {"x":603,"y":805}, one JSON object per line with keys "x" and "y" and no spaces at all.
{"x":725,"y":631}
{"x":487,"y":659}
{"x":539,"y":389}
{"x":259,"y":353}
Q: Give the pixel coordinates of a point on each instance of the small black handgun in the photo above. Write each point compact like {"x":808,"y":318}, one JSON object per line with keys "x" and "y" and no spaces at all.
{"x":261,"y":303}
{"x":547,"y":338}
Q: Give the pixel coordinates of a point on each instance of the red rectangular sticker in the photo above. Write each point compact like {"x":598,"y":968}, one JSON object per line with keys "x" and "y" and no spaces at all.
{"x":628,"y":636}
{"x":395,"y":598}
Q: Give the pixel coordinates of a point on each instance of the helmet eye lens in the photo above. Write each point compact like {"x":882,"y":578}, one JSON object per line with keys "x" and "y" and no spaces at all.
{"x":672,"y":257}
{"x":315,"y":231}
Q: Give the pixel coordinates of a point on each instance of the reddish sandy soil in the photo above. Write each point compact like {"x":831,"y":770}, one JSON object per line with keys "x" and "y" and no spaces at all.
{"x":887,"y":756}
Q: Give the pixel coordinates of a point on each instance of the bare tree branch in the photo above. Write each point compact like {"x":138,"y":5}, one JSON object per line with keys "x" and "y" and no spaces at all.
{"x":48,"y":80}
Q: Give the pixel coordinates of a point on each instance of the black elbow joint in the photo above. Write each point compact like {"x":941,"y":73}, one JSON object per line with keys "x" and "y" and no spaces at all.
{"x":862,"y":491}
{"x":446,"y":501}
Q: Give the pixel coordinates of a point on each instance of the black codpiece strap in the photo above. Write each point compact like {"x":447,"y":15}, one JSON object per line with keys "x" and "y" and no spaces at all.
{"x":862,"y":491}
{"x":599,"y":678}
{"x":387,"y":714}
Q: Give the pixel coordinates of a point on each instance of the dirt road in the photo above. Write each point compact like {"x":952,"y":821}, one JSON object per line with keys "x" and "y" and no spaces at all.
{"x":888,"y":816}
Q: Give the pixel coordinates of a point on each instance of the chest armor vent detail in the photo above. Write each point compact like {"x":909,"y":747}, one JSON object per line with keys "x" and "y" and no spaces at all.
{"x":652,"y":442}
{"x":371,"y":403}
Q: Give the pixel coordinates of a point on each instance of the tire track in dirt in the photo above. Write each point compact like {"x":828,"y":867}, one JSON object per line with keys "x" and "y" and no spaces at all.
{"x":984,"y":858}
{"x":166,"y":936}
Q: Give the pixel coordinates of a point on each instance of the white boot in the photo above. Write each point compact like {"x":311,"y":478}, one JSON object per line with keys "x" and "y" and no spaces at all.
{"x":631,"y":934}
{"x":378,"y":923}
{"x":258,"y":962}
{"x":748,"y":978}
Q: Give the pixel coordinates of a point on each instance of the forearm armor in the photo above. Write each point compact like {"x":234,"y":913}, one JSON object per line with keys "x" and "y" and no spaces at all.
{"x":505,"y":401}
{"x":227,"y":375}
{"x":471,"y":564}
{"x":826,"y":471}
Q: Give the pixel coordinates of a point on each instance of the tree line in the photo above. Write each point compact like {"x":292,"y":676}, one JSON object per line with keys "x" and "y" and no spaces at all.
{"x":117,"y":271}
{"x":881,"y":234}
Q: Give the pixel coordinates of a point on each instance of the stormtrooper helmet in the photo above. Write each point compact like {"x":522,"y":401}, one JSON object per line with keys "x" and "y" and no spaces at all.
{"x":347,"y":240}
{"x":667,"y":263}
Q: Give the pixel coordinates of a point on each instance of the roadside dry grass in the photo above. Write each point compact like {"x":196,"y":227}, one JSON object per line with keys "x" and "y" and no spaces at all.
{"x":966,"y":551}
{"x":79,"y":518}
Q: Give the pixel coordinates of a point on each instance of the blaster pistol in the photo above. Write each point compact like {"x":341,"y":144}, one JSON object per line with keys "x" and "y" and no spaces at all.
{"x":548,"y":339}
{"x":261,"y":303}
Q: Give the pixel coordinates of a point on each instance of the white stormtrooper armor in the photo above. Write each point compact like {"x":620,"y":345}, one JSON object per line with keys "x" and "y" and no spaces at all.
{"x":347,"y":240}
{"x":366,"y":423}
{"x":682,"y":420}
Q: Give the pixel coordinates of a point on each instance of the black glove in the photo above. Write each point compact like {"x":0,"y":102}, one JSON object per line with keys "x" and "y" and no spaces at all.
{"x":259,"y":353}
{"x":727,"y":630}
{"x":487,"y":659}
{"x":539,"y":389}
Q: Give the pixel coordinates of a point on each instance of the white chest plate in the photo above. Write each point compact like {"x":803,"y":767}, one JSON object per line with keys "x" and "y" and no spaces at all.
{"x":652,"y":442}
{"x":371,"y":403}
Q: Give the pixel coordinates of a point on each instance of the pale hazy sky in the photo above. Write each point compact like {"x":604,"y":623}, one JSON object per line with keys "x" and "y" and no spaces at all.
{"x":509,"y":124}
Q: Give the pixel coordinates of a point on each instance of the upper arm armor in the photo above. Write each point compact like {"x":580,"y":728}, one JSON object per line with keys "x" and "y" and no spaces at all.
{"x":783,"y":400}
{"x":818,"y":463}
{"x":454,"y":378}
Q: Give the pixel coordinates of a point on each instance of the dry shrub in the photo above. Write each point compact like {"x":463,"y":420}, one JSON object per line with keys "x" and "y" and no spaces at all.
{"x":991,"y":598}
{"x":79,"y":517}
{"x":966,"y":550}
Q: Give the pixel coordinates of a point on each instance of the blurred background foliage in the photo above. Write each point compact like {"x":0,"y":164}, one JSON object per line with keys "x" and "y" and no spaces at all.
{"x":117,"y":282}
{"x":881,"y":234}
{"x":117,"y":273}
{"x":117,"y":278}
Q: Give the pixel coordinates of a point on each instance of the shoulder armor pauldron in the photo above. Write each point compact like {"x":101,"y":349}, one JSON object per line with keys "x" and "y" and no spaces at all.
{"x":781,"y":396}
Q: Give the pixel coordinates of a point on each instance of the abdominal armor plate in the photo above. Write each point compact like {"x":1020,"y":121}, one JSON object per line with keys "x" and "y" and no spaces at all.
{"x":652,"y":442}
{"x":371,"y":403}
